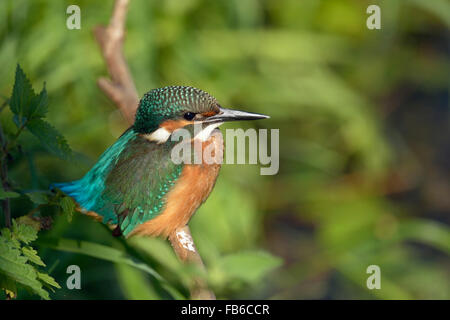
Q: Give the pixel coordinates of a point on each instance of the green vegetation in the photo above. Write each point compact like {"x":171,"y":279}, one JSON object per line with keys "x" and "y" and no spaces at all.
{"x":363,"y":153}
{"x":19,"y":261}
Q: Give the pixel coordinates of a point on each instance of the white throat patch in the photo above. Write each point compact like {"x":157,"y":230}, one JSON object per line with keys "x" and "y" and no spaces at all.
{"x":206,"y":132}
{"x":160,"y":135}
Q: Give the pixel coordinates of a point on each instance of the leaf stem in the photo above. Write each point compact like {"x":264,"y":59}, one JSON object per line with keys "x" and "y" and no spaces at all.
{"x":13,"y":140}
{"x":36,"y":209}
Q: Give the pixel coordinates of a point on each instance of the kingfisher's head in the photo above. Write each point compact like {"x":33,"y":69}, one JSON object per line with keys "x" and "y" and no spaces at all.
{"x":162,"y":111}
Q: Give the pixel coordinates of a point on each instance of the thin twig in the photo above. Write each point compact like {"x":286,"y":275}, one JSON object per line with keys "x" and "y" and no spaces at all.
{"x":184,"y":247}
{"x":6,"y":207}
{"x":12,"y":141}
{"x":122,"y":91}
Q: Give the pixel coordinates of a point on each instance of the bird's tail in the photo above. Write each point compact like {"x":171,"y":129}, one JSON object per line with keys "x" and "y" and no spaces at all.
{"x":87,"y":191}
{"x":74,"y":189}
{"x":66,"y":187}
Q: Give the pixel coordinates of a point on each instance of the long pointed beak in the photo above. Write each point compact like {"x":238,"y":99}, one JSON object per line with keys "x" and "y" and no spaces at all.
{"x":234,"y":115}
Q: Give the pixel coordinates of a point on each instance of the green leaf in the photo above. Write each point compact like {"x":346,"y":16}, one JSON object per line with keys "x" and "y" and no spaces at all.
{"x":13,"y":265}
{"x":160,"y":250}
{"x":8,"y":194}
{"x":426,"y":231}
{"x":29,"y":221}
{"x":15,"y":261}
{"x":68,"y":207}
{"x":109,"y":254}
{"x":8,"y":235}
{"x":22,"y":94}
{"x":97,"y":251}
{"x":134,"y":284}
{"x":48,"y":280}
{"x":32,"y":256}
{"x":50,"y":138}
{"x":249,"y":266}
{"x":24,"y":103}
{"x":39,"y":105}
{"x":23,"y":232}
{"x":38,"y":197}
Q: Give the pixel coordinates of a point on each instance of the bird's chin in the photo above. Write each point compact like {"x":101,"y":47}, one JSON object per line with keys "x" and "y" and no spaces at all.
{"x":207,"y":129}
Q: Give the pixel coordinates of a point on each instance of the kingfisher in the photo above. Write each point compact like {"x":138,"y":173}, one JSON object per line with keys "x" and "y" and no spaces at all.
{"x":135,"y":187}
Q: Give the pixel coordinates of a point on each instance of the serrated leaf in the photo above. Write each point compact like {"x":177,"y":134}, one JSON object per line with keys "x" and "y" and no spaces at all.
{"x":48,"y":280}
{"x":13,"y":265}
{"x":23,"y":232}
{"x":68,"y":207}
{"x":50,"y":138}
{"x":32,"y":256}
{"x":38,"y":197}
{"x":7,"y":235}
{"x":249,"y":266}
{"x":38,"y":106}
{"x":36,"y":225}
{"x":22,"y":92}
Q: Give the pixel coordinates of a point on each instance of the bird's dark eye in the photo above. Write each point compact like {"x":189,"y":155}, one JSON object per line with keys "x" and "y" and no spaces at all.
{"x":189,"y":115}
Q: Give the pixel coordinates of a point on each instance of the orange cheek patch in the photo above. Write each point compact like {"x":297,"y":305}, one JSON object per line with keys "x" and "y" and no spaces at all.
{"x":209,"y":113}
{"x":172,"y":125}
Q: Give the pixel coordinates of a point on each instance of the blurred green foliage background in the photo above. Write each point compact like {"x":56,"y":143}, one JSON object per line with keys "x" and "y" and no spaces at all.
{"x":364,"y":141}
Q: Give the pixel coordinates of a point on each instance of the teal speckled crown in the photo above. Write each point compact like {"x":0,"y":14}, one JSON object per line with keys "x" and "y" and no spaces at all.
{"x":170,"y":103}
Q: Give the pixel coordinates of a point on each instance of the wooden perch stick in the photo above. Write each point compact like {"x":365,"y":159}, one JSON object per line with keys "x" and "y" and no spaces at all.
{"x":184,"y":247}
{"x":122,"y":91}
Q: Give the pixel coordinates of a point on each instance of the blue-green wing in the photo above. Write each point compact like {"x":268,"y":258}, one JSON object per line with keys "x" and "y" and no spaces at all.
{"x":136,"y":186}
{"x":128,"y":183}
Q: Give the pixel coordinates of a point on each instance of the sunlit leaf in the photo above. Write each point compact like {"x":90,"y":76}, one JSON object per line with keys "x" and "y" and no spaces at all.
{"x":32,"y":256}
{"x":23,"y":232}
{"x":48,"y":280}
{"x":133,"y":283}
{"x":13,"y":265}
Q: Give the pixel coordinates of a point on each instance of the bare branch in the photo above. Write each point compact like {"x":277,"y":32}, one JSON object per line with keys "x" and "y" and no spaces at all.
{"x":122,"y":91}
{"x":4,"y":178}
{"x":183,"y":245}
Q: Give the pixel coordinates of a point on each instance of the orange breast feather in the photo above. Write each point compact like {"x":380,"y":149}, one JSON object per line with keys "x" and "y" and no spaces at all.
{"x":190,"y":191}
